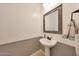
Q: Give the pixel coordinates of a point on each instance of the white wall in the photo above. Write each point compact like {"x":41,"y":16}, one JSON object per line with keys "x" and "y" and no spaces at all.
{"x":19,"y":22}
{"x":49,"y":6}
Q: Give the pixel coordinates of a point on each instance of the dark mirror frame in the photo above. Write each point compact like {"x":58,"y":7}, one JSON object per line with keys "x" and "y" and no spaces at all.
{"x":59,"y":8}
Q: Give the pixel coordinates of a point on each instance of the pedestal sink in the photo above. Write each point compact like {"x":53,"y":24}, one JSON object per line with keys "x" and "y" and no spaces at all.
{"x":47,"y":44}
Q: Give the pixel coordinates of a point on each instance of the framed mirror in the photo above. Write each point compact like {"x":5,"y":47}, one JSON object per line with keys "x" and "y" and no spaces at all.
{"x":52,"y":21}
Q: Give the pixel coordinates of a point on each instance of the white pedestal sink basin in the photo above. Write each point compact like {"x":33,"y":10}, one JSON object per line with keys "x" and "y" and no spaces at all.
{"x":47,"y":44}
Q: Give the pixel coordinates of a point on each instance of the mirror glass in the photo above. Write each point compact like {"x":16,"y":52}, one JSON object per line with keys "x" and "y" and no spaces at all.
{"x":53,"y":21}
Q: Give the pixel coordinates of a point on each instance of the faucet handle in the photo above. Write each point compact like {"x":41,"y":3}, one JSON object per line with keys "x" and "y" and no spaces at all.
{"x":49,"y":38}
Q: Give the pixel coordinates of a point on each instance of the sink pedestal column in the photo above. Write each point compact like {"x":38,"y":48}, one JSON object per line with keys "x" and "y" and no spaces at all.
{"x":47,"y":44}
{"x":47,"y":51}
